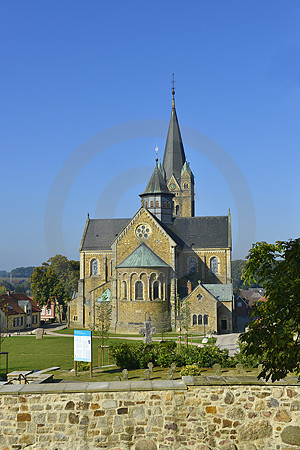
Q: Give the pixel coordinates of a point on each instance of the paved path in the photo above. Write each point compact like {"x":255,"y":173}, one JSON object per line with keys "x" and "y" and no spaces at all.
{"x":229,"y":341}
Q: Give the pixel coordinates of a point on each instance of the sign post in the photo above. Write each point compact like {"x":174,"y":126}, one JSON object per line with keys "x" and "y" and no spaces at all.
{"x":82,"y":348}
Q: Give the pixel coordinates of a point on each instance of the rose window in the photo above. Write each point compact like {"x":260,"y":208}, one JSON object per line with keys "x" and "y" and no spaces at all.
{"x":143,"y":231}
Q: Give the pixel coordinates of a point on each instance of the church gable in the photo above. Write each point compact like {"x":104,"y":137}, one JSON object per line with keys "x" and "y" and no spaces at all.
{"x":203,"y":310}
{"x":144,"y":228}
{"x":173,"y":184}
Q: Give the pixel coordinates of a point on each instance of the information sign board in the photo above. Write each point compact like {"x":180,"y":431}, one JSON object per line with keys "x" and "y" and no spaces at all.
{"x":83,"y":345}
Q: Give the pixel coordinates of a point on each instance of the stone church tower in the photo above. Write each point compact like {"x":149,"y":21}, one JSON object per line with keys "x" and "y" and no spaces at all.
{"x":178,"y":175}
{"x":163,"y":257}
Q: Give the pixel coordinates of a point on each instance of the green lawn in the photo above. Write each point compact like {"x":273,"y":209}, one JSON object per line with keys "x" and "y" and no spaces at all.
{"x":29,"y":353}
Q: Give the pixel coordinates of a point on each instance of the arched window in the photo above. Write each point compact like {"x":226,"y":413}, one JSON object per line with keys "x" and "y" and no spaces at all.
{"x":194,"y":319}
{"x":124,"y":289}
{"x":205,"y":319}
{"x":139,"y":290}
{"x":192,"y":265}
{"x":177,"y":210}
{"x":155,"y":290}
{"x":156,"y":203}
{"x":168,"y":204}
{"x":164,"y":204}
{"x":186,"y":185}
{"x":200,"y":319}
{"x":94,"y":267}
{"x":151,"y":203}
{"x":214,"y":265}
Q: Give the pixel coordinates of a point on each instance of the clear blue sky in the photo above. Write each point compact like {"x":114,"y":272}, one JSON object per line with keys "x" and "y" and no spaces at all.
{"x":72,"y":69}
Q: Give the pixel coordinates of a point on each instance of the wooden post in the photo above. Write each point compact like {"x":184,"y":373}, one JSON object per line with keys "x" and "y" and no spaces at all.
{"x":75,"y":368}
{"x":99,"y":355}
{"x":191,"y":340}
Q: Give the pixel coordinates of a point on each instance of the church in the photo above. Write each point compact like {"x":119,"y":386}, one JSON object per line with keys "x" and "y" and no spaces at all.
{"x":162,"y":261}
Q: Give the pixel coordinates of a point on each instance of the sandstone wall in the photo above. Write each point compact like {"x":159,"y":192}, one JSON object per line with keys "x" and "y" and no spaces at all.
{"x":146,"y":415}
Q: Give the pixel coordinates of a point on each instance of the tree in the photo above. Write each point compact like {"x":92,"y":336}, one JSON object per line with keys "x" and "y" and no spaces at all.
{"x":103,"y":310}
{"x":162,"y":318}
{"x":56,"y":280}
{"x":274,"y":333}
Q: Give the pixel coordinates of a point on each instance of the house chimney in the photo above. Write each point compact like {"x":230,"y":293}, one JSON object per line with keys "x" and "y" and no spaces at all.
{"x":189,"y":287}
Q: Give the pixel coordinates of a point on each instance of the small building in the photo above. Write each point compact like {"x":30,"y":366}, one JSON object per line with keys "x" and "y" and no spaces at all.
{"x":48,"y":311}
{"x":241,"y":313}
{"x":18,"y":313}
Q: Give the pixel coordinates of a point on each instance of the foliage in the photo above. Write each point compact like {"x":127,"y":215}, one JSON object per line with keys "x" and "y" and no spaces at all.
{"x":83,"y":366}
{"x":130,"y":356}
{"x":103,"y":311}
{"x":56,"y":279}
{"x":22,"y":272}
{"x":23,"y":287}
{"x":191,"y":370}
{"x":275,"y":331}
{"x":245,"y":359}
{"x":237,"y":267}
{"x":167,"y":353}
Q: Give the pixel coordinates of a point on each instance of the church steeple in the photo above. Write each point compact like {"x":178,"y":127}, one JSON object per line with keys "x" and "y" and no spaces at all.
{"x":178,"y":175}
{"x":174,"y":156}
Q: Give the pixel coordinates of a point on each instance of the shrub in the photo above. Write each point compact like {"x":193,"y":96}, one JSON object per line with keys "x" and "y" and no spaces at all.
{"x":145,"y":353}
{"x":166,"y":353}
{"x":210,"y":355}
{"x":191,"y":369}
{"x":124,"y":357}
{"x":130,"y":356}
{"x":250,"y":361}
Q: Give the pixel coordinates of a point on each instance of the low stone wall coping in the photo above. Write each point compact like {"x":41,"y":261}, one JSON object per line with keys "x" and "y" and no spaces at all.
{"x":140,"y":385}
{"x":215,"y":380}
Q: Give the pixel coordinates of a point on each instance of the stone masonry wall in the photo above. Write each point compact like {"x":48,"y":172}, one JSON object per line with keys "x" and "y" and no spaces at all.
{"x":219,"y":413}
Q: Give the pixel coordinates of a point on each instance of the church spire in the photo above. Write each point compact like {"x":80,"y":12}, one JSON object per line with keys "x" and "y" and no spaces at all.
{"x":174,"y":156}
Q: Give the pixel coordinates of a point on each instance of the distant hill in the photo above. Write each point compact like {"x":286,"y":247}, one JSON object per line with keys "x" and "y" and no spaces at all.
{"x":3,"y":273}
{"x":19,"y":272}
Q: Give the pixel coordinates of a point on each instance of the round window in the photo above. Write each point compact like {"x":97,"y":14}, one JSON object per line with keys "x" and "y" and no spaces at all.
{"x":143,"y":231}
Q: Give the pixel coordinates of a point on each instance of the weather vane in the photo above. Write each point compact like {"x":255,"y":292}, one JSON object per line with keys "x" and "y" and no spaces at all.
{"x":173,"y":85}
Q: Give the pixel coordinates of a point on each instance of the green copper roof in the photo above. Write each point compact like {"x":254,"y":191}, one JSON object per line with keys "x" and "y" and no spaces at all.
{"x":142,"y":256}
{"x":186,"y":167}
{"x":156,"y":184}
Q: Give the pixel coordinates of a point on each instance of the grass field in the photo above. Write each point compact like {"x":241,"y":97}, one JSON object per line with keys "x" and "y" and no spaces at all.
{"x":29,"y":353}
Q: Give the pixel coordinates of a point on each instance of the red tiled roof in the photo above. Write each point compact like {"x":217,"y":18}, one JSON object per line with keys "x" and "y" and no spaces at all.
{"x":9,"y":303}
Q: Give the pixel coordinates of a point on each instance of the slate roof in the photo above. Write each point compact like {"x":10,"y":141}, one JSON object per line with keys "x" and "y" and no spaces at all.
{"x":142,"y":256}
{"x":174,"y":156}
{"x":100,"y":233}
{"x":196,"y":232}
{"x":222,"y":292}
{"x":200,"y":232}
